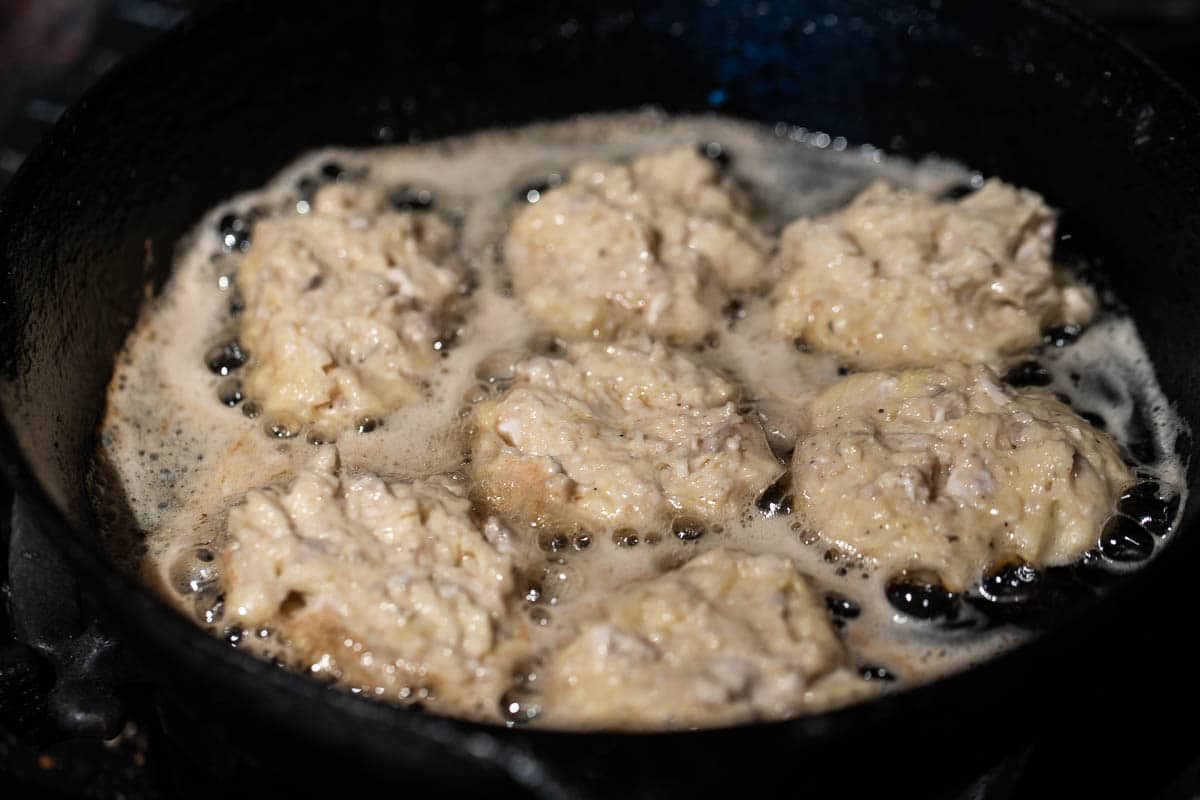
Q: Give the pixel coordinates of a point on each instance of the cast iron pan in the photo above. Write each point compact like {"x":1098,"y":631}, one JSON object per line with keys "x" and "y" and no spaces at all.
{"x":1016,"y":89}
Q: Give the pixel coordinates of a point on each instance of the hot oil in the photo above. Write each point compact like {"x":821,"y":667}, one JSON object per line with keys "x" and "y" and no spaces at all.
{"x":179,"y":445}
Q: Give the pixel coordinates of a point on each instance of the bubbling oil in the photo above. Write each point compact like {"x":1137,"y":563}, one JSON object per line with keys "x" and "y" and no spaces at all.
{"x":180,"y":443}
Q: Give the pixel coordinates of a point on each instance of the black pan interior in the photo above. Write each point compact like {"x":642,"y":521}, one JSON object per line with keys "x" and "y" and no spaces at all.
{"x":1012,"y":88}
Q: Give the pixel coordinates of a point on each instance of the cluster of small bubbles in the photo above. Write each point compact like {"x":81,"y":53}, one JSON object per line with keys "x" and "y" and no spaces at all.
{"x":815,"y":139}
{"x":234,"y":232}
{"x":532,"y":192}
{"x":688,"y":529}
{"x":1028,"y":373}
{"x":1151,"y":506}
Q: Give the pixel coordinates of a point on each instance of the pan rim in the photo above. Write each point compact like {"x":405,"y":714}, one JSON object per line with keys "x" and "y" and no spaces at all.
{"x":136,"y":600}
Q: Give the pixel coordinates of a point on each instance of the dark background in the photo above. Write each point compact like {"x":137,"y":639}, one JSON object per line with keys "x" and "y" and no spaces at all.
{"x":50,"y":52}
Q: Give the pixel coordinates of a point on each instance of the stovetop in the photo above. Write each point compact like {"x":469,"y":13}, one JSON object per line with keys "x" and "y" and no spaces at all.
{"x":75,"y":720}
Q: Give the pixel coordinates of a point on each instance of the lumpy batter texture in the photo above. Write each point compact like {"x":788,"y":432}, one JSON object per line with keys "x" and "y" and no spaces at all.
{"x":898,"y":278}
{"x":946,"y":470}
{"x":343,"y":306}
{"x":728,"y":637}
{"x":610,"y":436}
{"x":654,"y":246}
{"x":382,"y":585}
{"x":581,"y":474}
